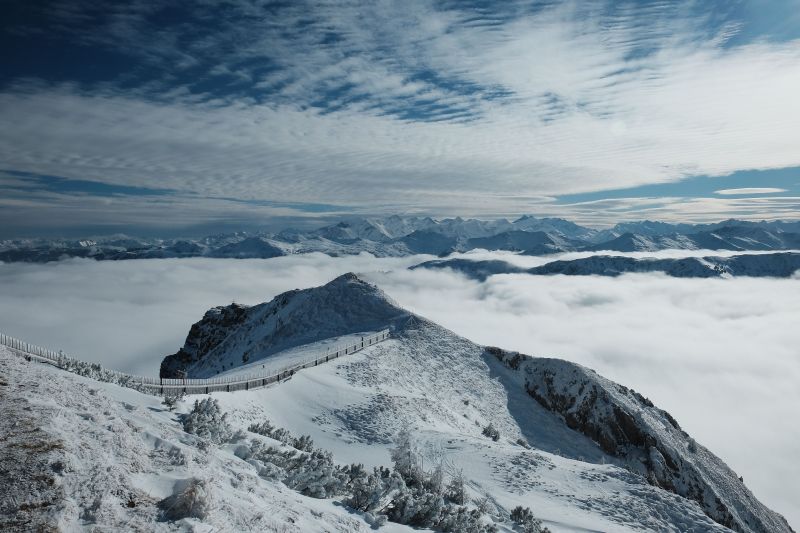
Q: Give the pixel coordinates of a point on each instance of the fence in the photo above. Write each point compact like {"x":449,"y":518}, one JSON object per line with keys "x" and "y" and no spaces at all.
{"x":165,"y":386}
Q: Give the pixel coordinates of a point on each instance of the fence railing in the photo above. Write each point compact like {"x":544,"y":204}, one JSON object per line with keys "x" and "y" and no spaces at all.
{"x":166,"y":386}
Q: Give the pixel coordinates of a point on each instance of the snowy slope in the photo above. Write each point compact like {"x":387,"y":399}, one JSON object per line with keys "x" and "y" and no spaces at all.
{"x":234,"y":335}
{"x":530,"y":242}
{"x":723,"y":238}
{"x":80,"y":455}
{"x":649,"y":441}
{"x":249,"y":248}
{"x":582,"y":452}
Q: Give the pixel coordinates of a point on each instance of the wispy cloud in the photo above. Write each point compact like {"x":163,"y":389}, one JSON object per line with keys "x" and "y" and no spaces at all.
{"x":749,"y":190}
{"x":345,"y":104}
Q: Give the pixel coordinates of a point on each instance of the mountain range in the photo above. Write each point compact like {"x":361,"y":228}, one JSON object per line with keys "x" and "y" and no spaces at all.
{"x":399,"y":236}
{"x":778,"y":265}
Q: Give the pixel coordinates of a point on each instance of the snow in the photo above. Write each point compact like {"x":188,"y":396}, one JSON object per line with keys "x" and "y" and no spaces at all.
{"x":107,"y":456}
{"x":121,"y":447}
{"x":355,"y":406}
{"x":298,"y":354}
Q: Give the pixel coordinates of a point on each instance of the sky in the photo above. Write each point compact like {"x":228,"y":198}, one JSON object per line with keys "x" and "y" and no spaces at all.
{"x":144,"y":116}
{"x":718,"y":354}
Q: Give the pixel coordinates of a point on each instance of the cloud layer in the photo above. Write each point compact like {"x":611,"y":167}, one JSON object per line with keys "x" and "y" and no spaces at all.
{"x":412,"y":106}
{"x":720,"y":355}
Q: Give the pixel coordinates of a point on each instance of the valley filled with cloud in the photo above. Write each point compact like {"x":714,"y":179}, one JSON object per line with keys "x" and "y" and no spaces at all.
{"x":718,"y":354}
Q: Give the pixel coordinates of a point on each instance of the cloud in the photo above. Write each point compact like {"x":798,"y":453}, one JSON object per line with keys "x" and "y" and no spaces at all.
{"x":432,"y":107}
{"x":749,"y":190}
{"x":720,"y":355}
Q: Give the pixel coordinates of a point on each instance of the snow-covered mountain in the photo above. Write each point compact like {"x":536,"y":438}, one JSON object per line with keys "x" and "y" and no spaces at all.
{"x":582,"y":451}
{"x":783,"y":265}
{"x":738,"y":238}
{"x":399,"y":236}
{"x":251,"y":247}
{"x":779,"y":265}
{"x":230,"y":336}
{"x":557,"y":226}
{"x":528,"y":242}
{"x":636,"y":242}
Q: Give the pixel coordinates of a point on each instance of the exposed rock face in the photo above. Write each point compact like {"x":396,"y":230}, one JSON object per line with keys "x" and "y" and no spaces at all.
{"x":204,"y":336}
{"x":235,"y":334}
{"x":645,"y":438}
{"x":479,"y":270}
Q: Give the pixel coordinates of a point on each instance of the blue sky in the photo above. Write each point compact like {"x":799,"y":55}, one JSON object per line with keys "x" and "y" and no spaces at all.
{"x":146,"y":116}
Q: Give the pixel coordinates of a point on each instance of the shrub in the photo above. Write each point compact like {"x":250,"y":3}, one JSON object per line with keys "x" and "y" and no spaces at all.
{"x":456,"y":492}
{"x":171,"y":400}
{"x":304,"y":443}
{"x":491,"y":432}
{"x":266,"y":429}
{"x":207,"y":420}
{"x":406,"y":459}
{"x":192,"y":499}
{"x":405,"y":495}
{"x":528,"y":523}
{"x":311,"y":473}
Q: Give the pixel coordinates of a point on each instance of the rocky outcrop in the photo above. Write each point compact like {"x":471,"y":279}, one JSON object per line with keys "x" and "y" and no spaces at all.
{"x":647,"y":440}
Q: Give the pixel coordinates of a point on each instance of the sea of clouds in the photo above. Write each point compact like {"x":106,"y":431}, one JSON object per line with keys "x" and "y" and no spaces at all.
{"x":721,"y":355}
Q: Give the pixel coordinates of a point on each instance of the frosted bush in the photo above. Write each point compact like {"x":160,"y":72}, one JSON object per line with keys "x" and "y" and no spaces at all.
{"x":491,"y":432}
{"x":406,"y":494}
{"x":456,"y":492}
{"x":304,"y":443}
{"x":207,"y":420}
{"x":266,"y":429}
{"x":171,"y":400}
{"x":192,"y":499}
{"x":311,"y":473}
{"x":527,"y":523}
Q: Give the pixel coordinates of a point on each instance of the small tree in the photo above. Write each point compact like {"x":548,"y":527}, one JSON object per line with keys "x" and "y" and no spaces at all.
{"x":171,"y":400}
{"x":456,"y":492}
{"x":207,"y":420}
{"x":406,"y":459}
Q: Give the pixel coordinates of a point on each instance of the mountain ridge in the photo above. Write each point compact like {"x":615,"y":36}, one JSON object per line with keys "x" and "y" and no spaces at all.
{"x":779,"y":264}
{"x":399,"y":236}
{"x":574,"y":402}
